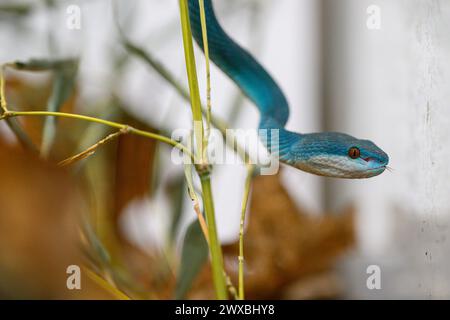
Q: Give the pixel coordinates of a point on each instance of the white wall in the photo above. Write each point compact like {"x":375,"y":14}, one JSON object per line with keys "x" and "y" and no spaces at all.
{"x":391,"y":85}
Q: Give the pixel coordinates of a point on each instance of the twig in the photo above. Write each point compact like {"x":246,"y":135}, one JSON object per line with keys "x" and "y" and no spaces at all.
{"x":194,"y":95}
{"x":112,"y":124}
{"x":248,"y":180}
{"x":208,"y":75}
{"x":194,"y":198}
{"x":91,"y":150}
{"x":3,"y":104}
{"x":214,"y":244}
{"x":231,"y":288}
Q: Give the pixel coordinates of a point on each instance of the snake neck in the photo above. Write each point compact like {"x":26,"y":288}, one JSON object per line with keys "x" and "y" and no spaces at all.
{"x":278,"y":140}
{"x":241,"y":67}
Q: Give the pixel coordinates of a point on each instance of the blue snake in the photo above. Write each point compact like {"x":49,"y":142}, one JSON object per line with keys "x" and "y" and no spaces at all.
{"x":331,"y":154}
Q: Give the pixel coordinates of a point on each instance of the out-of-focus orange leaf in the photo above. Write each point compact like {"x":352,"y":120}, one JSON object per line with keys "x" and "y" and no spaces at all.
{"x":40,"y":210}
{"x":288,"y":253}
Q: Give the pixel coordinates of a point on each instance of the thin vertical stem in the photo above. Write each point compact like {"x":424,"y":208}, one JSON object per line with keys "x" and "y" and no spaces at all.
{"x":192,"y":77}
{"x":214,"y":245}
{"x":203,"y":170}
{"x":2,"y":91}
{"x":248,"y":180}
{"x":208,"y":73}
{"x":193,"y":194}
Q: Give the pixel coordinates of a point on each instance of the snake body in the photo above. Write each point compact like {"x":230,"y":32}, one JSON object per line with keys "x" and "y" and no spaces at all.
{"x":332,"y":154}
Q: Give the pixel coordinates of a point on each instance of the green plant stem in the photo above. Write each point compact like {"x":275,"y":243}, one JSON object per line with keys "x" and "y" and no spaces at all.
{"x":208,"y":74}
{"x":248,"y":181}
{"x":128,"y":129}
{"x":203,"y":169}
{"x":192,"y":78}
{"x":2,"y":91}
{"x":214,"y":245}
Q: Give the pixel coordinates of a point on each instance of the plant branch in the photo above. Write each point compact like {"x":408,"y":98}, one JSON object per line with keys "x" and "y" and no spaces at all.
{"x":2,"y":91}
{"x":208,"y":74}
{"x":214,"y":244}
{"x":231,"y":289}
{"x":178,"y":145}
{"x":248,"y":180}
{"x":194,"y":199}
{"x":91,"y":150}
{"x":192,"y":78}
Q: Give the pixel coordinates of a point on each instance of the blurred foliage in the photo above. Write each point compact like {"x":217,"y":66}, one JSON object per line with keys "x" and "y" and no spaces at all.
{"x":289,"y":253}
{"x":284,"y":244}
{"x":194,"y":254}
{"x":68,"y":66}
{"x":15,"y":10}
{"x":40,"y":210}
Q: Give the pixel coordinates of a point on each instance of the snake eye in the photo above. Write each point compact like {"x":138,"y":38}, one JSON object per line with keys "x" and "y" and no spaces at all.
{"x":354,"y":152}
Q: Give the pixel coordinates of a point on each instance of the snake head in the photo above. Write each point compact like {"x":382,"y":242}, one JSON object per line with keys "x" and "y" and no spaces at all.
{"x":338,"y":155}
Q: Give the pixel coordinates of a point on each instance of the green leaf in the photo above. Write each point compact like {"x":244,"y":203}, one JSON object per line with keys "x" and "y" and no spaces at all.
{"x":193,"y":256}
{"x":63,"y":85}
{"x":191,"y":70}
{"x":44,"y":64}
{"x":177,"y":192}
